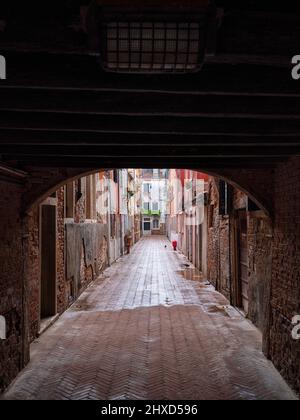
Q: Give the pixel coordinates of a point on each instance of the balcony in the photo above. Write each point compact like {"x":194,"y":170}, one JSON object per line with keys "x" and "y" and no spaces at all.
{"x":151,"y":212}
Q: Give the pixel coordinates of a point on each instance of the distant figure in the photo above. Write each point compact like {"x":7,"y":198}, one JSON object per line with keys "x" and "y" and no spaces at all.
{"x":174,"y":244}
{"x":128,"y":241}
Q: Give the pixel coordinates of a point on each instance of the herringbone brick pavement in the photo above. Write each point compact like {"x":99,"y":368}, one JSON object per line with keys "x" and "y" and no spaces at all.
{"x":143,"y":331}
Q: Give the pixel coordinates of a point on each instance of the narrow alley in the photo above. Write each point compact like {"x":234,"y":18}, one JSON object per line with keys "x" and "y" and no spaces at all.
{"x":150,"y":327}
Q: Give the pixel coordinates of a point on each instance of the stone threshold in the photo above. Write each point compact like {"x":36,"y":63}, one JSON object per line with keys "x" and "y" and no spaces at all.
{"x":47,"y":323}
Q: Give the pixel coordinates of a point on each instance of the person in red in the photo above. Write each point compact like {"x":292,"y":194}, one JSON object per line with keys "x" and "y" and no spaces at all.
{"x":174,"y":243}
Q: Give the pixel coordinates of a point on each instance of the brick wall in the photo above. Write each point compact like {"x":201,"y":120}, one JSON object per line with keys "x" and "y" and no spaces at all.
{"x":285,"y":295}
{"x":11,"y":282}
{"x":274,"y":267}
{"x":32,"y":272}
{"x":221,"y":254}
{"x":260,"y":269}
{"x":62,"y":292}
{"x":80,"y":203}
{"x":20,"y":239}
{"x":213,"y":255}
{"x":218,"y":256}
{"x":88,"y":272}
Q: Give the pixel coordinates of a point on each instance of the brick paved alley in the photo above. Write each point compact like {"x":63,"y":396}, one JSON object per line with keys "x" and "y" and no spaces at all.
{"x":150,"y":328}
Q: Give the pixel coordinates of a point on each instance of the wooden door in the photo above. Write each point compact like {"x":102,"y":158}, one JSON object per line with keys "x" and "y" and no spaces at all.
{"x":243,"y":261}
{"x":48,"y":261}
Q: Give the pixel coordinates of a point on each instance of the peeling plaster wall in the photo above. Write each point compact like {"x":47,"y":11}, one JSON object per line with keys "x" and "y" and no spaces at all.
{"x":86,"y":253}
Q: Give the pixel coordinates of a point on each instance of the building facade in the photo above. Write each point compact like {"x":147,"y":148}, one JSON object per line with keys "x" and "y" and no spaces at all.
{"x":187,"y":214}
{"x":226,"y":236}
{"x":240,"y":251}
{"x":77,"y":233}
{"x":154,"y":183}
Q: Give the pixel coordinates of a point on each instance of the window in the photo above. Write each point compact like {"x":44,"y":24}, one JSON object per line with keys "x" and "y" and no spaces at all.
{"x":155,"y":206}
{"x":146,"y":188}
{"x":155,"y":224}
{"x":146,"y":206}
{"x":147,"y":173}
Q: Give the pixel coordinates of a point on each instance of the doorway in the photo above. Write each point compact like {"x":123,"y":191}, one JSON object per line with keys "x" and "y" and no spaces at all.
{"x":147,"y":226}
{"x":243,"y":261}
{"x":48,"y":261}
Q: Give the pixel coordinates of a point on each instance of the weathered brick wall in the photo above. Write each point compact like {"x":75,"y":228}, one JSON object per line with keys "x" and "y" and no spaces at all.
{"x":62,"y":292}
{"x":224,"y":252}
{"x":80,"y":203}
{"x":274,"y":267}
{"x":259,"y":236}
{"x":18,"y":239}
{"x":11,"y":282}
{"x":239,"y":200}
{"x":218,"y":255}
{"x":213,"y":255}
{"x":32,"y":272}
{"x":260,"y":269}
{"x":285,"y":295}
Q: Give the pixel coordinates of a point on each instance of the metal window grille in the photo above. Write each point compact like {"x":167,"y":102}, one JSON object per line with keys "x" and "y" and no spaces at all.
{"x":153,"y":46}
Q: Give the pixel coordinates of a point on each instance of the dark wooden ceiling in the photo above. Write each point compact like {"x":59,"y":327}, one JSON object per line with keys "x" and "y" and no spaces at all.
{"x":58,"y":108}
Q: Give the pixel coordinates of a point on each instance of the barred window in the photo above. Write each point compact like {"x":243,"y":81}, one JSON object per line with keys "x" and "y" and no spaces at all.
{"x":153,"y":46}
